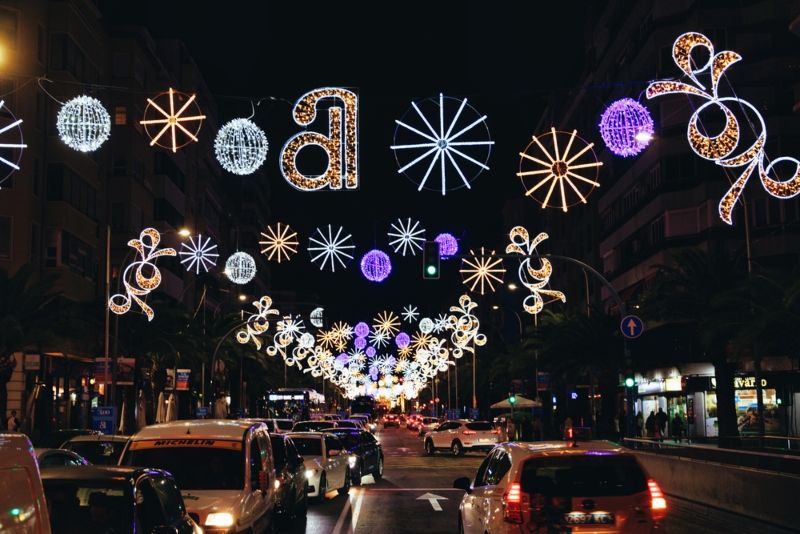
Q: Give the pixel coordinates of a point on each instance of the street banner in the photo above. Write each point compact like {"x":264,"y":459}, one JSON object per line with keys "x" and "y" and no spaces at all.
{"x":182,"y":379}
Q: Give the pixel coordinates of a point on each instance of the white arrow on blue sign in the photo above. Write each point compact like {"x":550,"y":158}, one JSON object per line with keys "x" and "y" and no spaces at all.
{"x":631,"y":326}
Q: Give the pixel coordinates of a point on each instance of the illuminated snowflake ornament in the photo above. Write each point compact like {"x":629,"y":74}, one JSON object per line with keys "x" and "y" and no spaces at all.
{"x":279,"y":243}
{"x":12,"y":145}
{"x":329,"y":247}
{"x":406,"y":237}
{"x":460,"y":138}
{"x":182,"y":124}
{"x":626,"y":127}
{"x":83,"y":124}
{"x":200,"y":254}
{"x":241,"y":147}
{"x":386,"y":322}
{"x":240,"y":268}
{"x":410,"y":313}
{"x":440,"y":323}
{"x":544,"y":166}
{"x":378,"y":338}
{"x":482,"y":270}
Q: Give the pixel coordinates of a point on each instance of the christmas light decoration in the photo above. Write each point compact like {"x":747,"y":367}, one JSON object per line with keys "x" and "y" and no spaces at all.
{"x":361,"y":329}
{"x":327,"y":247}
{"x":16,"y":142}
{"x":406,"y":237}
{"x":626,"y":127}
{"x":386,"y":322}
{"x":241,"y":147}
{"x":402,"y":340}
{"x":83,"y":124}
{"x":280,"y":243}
{"x":327,"y":338}
{"x":379,"y":338}
{"x":410,"y":313}
{"x":183,"y":124}
{"x":440,"y":323}
{"x":420,"y":340}
{"x":201,"y":254}
{"x":370,"y":352}
{"x":360,"y":343}
{"x":426,"y":325}
{"x":147,"y":248}
{"x":558,"y":168}
{"x":315,"y":317}
{"x":257,"y":323}
{"x":342,"y":331}
{"x":523,"y":245}
{"x":448,"y":245}
{"x":240,"y":268}
{"x":466,"y":335}
{"x":416,"y":140}
{"x":720,"y":148}
{"x":483,"y":268}
{"x":376,"y":265}
{"x":289,"y":329}
{"x":342,"y":138}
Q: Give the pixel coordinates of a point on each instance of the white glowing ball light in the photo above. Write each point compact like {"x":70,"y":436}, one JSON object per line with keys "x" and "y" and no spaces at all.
{"x":241,"y":147}
{"x":240,"y":268}
{"x":83,"y":124}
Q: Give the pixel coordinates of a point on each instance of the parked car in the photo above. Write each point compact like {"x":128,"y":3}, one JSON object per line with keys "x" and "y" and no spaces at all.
{"x":21,"y":487}
{"x":274,"y":426}
{"x":224,"y":469}
{"x":367,"y":419}
{"x":427,"y":424}
{"x":56,"y":438}
{"x":326,"y":463}
{"x":365,"y":455}
{"x":560,"y":487}
{"x":344,"y":423}
{"x":119,"y":500}
{"x":314,"y":426}
{"x":460,"y":436}
{"x":325,"y":417}
{"x":290,"y":476}
{"x":58,"y":458}
{"x":99,"y":449}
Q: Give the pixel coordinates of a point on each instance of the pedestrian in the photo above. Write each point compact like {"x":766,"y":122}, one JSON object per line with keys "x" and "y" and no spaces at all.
{"x":677,"y":427}
{"x":650,"y":425}
{"x":13,"y":423}
{"x":511,"y":429}
{"x":639,"y":425}
{"x":661,"y":422}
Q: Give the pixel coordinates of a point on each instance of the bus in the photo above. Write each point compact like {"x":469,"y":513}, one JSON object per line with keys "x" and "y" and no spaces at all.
{"x":294,"y":403}
{"x":364,"y":404}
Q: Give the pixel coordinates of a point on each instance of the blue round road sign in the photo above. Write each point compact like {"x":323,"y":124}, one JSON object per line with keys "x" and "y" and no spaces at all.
{"x":631,"y":326}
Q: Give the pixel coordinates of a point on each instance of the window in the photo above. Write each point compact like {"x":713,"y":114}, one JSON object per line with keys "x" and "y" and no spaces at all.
{"x":66,"y":185}
{"x":120,"y":115}
{"x":222,"y":468}
{"x":308,"y":446}
{"x":78,"y":256}
{"x":8,"y":28}
{"x":170,"y":498}
{"x":481,"y":475}
{"x":5,"y":237}
{"x":256,"y":463}
{"x":497,"y":469}
{"x":587,"y":476}
{"x":65,"y":55}
{"x":51,"y":253}
{"x":40,"y":112}
{"x":332,"y":444}
{"x":278,"y":452}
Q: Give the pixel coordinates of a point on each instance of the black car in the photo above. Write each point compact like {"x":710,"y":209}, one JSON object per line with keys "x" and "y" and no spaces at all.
{"x":291,"y":475}
{"x":122,"y":500}
{"x":365,"y":452}
{"x":56,"y":438}
{"x":314,"y":426}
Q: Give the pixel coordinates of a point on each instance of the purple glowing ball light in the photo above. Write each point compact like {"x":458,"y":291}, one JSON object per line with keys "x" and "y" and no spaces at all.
{"x":376,"y":265}
{"x":626,"y":127}
{"x":342,"y":358}
{"x":361,"y":329}
{"x":402,"y":340}
{"x":371,"y":351}
{"x":448,"y":245}
{"x":360,"y":343}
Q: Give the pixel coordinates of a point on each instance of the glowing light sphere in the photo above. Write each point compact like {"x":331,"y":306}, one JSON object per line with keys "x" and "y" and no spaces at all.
{"x":241,"y":147}
{"x":426,"y":325}
{"x":402,"y":340}
{"x":240,"y":268}
{"x":83,"y":124}
{"x":448,"y":245}
{"x":376,"y":265}
{"x":626,"y":127}
{"x":361,"y":329}
{"x":370,"y":352}
{"x":360,"y":343}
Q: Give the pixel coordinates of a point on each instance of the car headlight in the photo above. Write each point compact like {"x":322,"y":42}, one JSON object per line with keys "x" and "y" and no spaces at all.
{"x":310,"y":473}
{"x":219,"y":519}
{"x":352,"y":461}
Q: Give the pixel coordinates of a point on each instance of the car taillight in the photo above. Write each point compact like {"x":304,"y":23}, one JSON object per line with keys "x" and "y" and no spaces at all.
{"x":496,"y":431}
{"x":513,"y":501}
{"x":658,"y":504}
{"x":468,"y":432}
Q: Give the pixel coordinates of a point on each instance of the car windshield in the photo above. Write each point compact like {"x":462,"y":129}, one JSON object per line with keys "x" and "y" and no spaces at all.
{"x":98,"y":452}
{"x":278,"y":451}
{"x":194,"y":468}
{"x":270,"y":425}
{"x":308,"y":446}
{"x":590,"y":475}
{"x":285,"y":424}
{"x":313,"y":426}
{"x":348,"y":437}
{"x":479,"y":426}
{"x":347,"y":424}
{"x":88,"y":506}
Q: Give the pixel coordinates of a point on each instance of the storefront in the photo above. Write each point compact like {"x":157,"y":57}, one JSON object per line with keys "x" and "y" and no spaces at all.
{"x":663,"y":390}
{"x":747,"y":405}
{"x":701,"y":406}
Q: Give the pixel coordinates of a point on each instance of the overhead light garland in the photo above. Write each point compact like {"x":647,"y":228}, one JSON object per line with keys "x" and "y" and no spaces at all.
{"x":721,"y":148}
{"x":199,"y":255}
{"x":241,"y":147}
{"x":147,"y":248}
{"x":482,"y":270}
{"x":12,"y":139}
{"x":83,"y":124}
{"x":533,"y":279}
{"x":280,"y":243}
{"x":183,"y":125}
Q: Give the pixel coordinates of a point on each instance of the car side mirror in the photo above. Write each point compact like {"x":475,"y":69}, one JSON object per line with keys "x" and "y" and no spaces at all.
{"x":462,"y":483}
{"x":334,"y":452}
{"x":164,"y":529}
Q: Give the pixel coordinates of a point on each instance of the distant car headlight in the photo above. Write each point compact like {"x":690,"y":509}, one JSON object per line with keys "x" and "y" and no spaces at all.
{"x":310,"y":473}
{"x":352,"y":461}
{"x":219,"y":519}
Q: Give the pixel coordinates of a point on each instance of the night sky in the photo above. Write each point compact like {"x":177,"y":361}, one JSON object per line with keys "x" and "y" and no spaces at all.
{"x":505,"y":57}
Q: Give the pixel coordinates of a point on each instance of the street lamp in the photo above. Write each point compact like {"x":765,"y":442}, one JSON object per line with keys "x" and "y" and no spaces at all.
{"x":512,"y":286}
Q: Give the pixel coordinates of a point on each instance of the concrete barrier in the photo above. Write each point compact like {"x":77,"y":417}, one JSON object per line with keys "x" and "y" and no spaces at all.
{"x":764,"y":495}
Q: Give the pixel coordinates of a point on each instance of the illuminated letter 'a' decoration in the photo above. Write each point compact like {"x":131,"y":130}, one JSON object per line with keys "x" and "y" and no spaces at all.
{"x":257,"y":323}
{"x":522,"y":244}
{"x":147,"y":247}
{"x":720,"y":148}
{"x":342,"y":138}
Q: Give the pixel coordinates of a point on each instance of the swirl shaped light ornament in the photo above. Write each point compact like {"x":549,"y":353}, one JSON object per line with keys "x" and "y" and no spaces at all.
{"x":11,"y":133}
{"x":172,"y":119}
{"x":559,"y":163}
{"x":83,"y":124}
{"x":466,"y":327}
{"x":723,"y":148}
{"x":257,"y":323}
{"x":532,"y":278}
{"x":241,"y":147}
{"x":146,"y":276}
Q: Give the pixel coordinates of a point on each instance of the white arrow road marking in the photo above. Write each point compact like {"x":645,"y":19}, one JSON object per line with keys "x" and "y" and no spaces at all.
{"x":433,"y":499}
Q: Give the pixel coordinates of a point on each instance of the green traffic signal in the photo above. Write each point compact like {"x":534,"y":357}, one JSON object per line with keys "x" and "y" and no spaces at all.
{"x":431,"y":270}
{"x":512,"y":399}
{"x":629,"y":382}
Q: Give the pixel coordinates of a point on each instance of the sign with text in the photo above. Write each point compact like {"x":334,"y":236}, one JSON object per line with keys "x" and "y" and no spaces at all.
{"x":182,"y":379}
{"x":104,"y":419}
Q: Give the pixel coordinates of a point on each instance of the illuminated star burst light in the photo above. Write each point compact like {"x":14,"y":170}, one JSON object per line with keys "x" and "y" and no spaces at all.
{"x":406,"y":237}
{"x":387,"y":322}
{"x":201,"y":254}
{"x":484,"y":269}
{"x":329,"y":247}
{"x":175,"y":122}
{"x":410,"y":313}
{"x":279,"y":243}
{"x":17,"y":145}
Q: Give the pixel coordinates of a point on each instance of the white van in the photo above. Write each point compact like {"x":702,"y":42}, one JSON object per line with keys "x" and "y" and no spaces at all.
{"x":223,"y":468}
{"x":21,"y":493}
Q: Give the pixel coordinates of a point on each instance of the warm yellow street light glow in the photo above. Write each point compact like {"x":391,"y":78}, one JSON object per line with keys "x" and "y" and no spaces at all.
{"x":242,"y":298}
{"x":512,"y":286}
{"x":184,"y":232}
{"x":495,"y":307}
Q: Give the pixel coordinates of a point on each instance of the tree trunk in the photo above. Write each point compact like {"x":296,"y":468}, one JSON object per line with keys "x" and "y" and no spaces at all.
{"x":726,"y":403}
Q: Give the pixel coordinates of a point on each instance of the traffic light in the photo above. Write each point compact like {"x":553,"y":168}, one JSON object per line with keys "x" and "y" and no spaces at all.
{"x":630,"y":381}
{"x":512,"y":399}
{"x":430,"y":260}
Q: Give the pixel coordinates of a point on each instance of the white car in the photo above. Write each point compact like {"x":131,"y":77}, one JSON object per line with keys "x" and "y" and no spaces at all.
{"x":557,"y":487}
{"x":223,"y":467}
{"x":461,"y":436}
{"x":428,"y":424}
{"x":326,"y":463}
{"x":369,"y":425}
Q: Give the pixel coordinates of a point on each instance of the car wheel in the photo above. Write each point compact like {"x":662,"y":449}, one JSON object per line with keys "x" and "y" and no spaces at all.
{"x":356,"y":474}
{"x":429,"y":450}
{"x":323,"y":488}
{"x":346,"y":488}
{"x":456,"y":448}
{"x":378,"y":473}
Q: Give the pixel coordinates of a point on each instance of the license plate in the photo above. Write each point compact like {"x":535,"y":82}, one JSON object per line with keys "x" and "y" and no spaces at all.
{"x":589,"y":518}
{"x":485,"y":440}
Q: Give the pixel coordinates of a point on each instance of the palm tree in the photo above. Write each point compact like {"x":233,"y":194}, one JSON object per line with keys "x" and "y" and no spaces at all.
{"x":25,"y":310}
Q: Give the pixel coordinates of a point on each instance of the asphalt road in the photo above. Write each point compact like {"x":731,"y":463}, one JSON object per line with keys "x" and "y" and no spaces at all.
{"x":416,"y":496}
